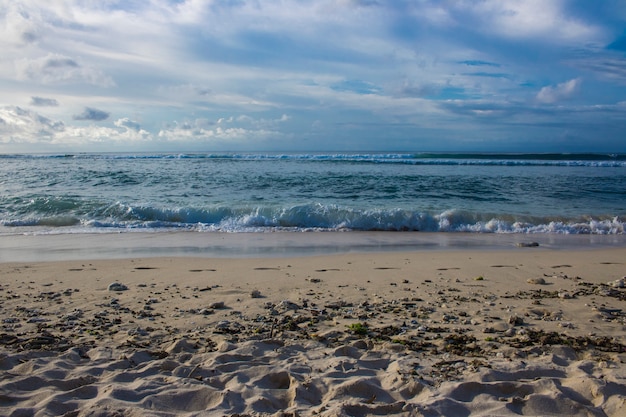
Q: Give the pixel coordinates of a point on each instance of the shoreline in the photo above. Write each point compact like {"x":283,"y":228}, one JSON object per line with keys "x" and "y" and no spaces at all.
{"x":51,"y":247}
{"x":510,"y":331}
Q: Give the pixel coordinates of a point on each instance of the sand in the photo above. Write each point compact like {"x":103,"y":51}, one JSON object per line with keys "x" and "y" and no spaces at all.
{"x":523,"y":331}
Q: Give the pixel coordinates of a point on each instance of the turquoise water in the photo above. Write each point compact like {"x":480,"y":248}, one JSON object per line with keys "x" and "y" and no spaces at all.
{"x":486,"y":193}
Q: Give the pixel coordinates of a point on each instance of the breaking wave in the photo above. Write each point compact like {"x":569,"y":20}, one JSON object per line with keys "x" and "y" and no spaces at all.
{"x":313,"y":217}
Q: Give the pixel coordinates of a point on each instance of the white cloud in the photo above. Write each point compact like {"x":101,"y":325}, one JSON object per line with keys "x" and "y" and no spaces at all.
{"x":128,"y":124}
{"x":537,"y":19}
{"x":202,"y":131}
{"x":83,"y":136}
{"x":19,"y":27}
{"x":22,"y":125}
{"x":559,"y":92}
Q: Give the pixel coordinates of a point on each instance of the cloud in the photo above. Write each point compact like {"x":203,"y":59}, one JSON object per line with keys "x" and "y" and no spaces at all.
{"x":547,"y":21}
{"x":202,"y":131}
{"x":85,"y":136}
{"x":487,"y":74}
{"x":608,"y":65}
{"x":250,"y":122}
{"x":20,"y":26}
{"x":25,"y":126}
{"x":560,"y":92}
{"x":479,"y":63}
{"x":43,"y":102}
{"x":229,"y":70}
{"x":128,"y":124}
{"x":356,"y":86}
{"x":56,"y":68}
{"x":92,"y":114}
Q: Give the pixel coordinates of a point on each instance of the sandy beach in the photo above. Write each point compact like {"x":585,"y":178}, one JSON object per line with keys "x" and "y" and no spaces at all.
{"x":517,"y":331}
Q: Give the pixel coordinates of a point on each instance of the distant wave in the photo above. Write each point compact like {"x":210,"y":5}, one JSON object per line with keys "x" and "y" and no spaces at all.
{"x":314,"y":217}
{"x":509,"y":159}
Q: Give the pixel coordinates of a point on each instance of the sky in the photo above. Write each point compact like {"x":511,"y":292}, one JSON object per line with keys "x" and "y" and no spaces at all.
{"x":305,"y":75}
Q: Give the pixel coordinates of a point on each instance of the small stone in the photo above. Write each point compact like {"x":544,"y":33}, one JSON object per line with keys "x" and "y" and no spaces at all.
{"x":37,"y":320}
{"x":287,"y":305}
{"x":510,"y":332}
{"x":11,"y":320}
{"x":217,"y":305}
{"x":255,"y":294}
{"x":527,"y":244}
{"x":536,"y":281}
{"x":116,"y":286}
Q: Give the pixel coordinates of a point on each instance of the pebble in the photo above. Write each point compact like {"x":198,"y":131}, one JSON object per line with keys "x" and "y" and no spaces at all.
{"x":287,"y":305}
{"x":11,"y":320}
{"x":527,"y":244}
{"x":224,"y":324}
{"x":37,"y":320}
{"x":511,"y":332}
{"x":74,"y":315}
{"x":116,"y":286}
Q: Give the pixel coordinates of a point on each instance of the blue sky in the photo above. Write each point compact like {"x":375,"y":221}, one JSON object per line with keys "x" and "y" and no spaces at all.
{"x":300,"y":75}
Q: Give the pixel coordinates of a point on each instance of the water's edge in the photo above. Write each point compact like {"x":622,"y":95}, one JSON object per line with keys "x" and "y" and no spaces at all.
{"x":29,"y":248}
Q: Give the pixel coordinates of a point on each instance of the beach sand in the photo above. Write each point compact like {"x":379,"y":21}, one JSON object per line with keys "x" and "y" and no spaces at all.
{"x":522,"y":331}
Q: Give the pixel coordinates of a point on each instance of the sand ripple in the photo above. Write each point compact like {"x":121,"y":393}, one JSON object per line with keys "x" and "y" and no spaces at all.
{"x":285,"y":377}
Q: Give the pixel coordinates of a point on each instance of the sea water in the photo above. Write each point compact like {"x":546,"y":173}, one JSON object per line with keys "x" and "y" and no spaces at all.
{"x":264,"y":192}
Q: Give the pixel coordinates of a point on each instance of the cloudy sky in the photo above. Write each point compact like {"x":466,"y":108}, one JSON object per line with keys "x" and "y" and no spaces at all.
{"x":305,"y":75}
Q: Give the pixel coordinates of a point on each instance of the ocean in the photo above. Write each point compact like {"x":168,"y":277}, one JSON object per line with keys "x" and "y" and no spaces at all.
{"x":313,"y":192}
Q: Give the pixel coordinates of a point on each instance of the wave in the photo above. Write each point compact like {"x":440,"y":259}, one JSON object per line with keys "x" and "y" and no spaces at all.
{"x":312,"y":217}
{"x":509,"y":159}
